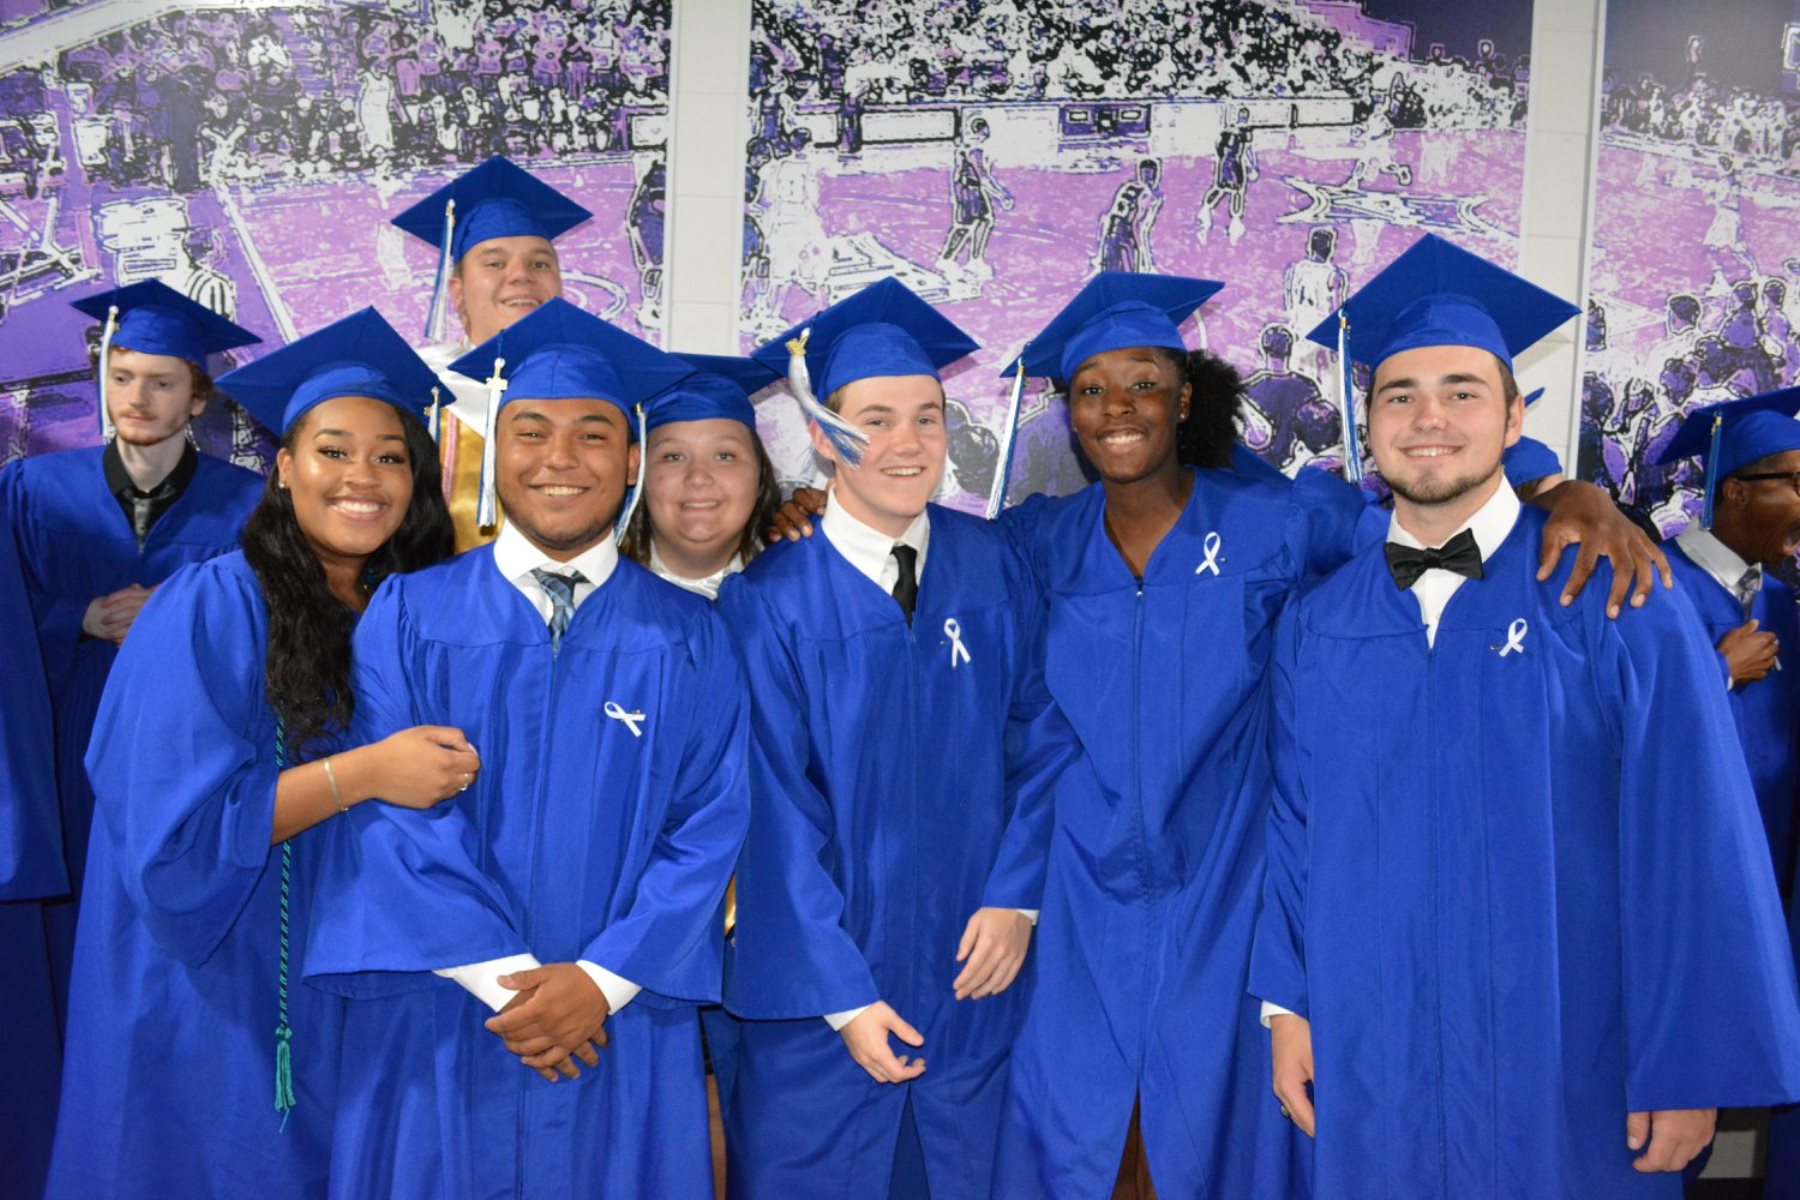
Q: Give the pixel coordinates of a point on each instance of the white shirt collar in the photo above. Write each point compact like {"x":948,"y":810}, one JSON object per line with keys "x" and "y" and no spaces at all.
{"x":868,"y":549}
{"x":517,"y":558}
{"x":708,"y":586}
{"x":1490,"y":524}
{"x":1714,"y":557}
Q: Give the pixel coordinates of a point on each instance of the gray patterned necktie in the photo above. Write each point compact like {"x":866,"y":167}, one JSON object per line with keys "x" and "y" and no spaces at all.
{"x":561,"y":590}
{"x":1749,"y":583}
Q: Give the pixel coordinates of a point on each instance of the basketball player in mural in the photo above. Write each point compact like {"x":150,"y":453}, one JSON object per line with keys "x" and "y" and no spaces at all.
{"x":1234,"y":168}
{"x":644,"y":220}
{"x":974,"y":191}
{"x":1723,"y":240}
{"x":798,"y":249}
{"x":1302,"y":423}
{"x":1311,"y":289}
{"x":1126,"y":228}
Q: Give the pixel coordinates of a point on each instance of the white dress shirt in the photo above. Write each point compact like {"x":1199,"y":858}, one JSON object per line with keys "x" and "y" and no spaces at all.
{"x":871,"y":552}
{"x":516,"y":558}
{"x":707,"y":586}
{"x":1727,"y":569}
{"x":1491,"y":524}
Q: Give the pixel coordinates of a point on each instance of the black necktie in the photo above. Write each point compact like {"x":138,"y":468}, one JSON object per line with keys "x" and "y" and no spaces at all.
{"x":906,"y":588}
{"x":1460,"y":554}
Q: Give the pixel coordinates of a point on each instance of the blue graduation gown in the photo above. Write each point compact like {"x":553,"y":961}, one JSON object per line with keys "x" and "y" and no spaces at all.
{"x":1767,"y":711}
{"x":31,"y":868}
{"x":1144,"y":942}
{"x":897,"y":789}
{"x":169,"y":1079}
{"x":582,"y":839}
{"x":1517,"y":893}
{"x":76,"y":544}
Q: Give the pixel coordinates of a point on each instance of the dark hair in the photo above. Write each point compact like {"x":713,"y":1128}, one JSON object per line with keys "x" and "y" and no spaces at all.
{"x":635,"y":545}
{"x":1206,"y":438}
{"x":307,"y":664}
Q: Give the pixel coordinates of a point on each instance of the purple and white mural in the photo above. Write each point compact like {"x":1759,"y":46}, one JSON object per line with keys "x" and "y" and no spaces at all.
{"x":1694,"y":280}
{"x":251,"y":154}
{"x":993,"y":154}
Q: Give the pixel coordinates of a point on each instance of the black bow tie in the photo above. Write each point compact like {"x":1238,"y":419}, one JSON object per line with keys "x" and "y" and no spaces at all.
{"x":1459,"y":554}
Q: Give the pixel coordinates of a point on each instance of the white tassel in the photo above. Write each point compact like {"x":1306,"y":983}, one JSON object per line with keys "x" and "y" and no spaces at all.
{"x":432,"y":418}
{"x":637,"y":488}
{"x":485,"y":516}
{"x":1353,"y":467}
{"x":846,"y":438}
{"x":107,"y":430}
{"x":436,"y":315}
{"x":1008,"y":438}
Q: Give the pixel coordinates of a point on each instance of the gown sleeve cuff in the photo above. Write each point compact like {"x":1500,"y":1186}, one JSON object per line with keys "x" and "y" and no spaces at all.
{"x":838,"y":1020}
{"x":481,"y":979}
{"x":618,"y":991}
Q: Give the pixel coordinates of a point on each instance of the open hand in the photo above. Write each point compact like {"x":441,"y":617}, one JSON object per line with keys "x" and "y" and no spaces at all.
{"x":992,"y":951}
{"x":866,"y":1038}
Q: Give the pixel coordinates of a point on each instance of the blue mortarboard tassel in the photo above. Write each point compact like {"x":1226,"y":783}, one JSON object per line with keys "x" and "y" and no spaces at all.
{"x":846,"y":438}
{"x":1009,"y":437}
{"x":1353,"y":466}
{"x":440,"y":291}
{"x":636,"y":491}
{"x":1711,"y":481}
{"x":107,"y":432}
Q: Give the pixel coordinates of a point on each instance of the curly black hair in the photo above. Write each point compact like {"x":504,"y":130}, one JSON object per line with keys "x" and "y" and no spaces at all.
{"x":635,"y":545}
{"x":307,"y":667}
{"x":1205,"y":439}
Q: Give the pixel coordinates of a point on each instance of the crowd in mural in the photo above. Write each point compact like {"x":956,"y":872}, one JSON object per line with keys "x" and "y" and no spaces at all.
{"x":222,"y":95}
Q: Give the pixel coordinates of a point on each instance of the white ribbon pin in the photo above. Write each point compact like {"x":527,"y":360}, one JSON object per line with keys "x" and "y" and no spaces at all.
{"x":953,"y":631}
{"x":1211,"y":546}
{"x":1515,"y":638}
{"x":632,"y":719}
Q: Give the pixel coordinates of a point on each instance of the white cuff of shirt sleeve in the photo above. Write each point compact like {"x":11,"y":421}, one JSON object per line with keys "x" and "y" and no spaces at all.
{"x":618,"y":992}
{"x":1030,"y":914}
{"x":1275,"y":1010}
{"x":838,"y":1020}
{"x":480,"y":979}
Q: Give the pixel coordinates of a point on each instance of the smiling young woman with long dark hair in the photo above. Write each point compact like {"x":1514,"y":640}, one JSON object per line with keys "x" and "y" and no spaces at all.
{"x":197,"y":1064}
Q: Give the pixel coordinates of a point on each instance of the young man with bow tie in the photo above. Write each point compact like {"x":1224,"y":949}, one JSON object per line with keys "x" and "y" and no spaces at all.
{"x":1519,"y":937}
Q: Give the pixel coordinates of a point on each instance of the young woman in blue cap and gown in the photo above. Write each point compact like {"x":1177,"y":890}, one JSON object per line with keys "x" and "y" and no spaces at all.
{"x":98,"y":528}
{"x":902,"y":753}
{"x":577,"y":889}
{"x":1165,"y":581}
{"x":1750,"y":520}
{"x":1519,"y":936}
{"x":709,"y":492}
{"x":492,"y":227}
{"x":197,"y":1063}
{"x":32,"y":869}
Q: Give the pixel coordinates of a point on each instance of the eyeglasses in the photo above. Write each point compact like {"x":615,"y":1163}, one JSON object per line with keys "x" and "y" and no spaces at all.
{"x":1793,"y":478}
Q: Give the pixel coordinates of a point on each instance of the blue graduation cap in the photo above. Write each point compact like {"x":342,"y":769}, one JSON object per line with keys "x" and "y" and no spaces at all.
{"x":721,"y":386}
{"x":495,"y":199}
{"x":360,"y":355}
{"x":1117,"y":310}
{"x":1438,"y":294}
{"x":1730,"y":436}
{"x":1435,"y":294}
{"x":153,"y":318}
{"x":559,"y":352}
{"x":882,"y":331}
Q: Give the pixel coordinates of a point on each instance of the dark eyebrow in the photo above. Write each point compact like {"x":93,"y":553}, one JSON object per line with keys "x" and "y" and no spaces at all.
{"x":344,"y":433}
{"x":877,"y":408}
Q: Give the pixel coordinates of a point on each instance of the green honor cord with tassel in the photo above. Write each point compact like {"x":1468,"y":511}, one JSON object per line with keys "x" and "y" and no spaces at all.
{"x":284,"y":1033}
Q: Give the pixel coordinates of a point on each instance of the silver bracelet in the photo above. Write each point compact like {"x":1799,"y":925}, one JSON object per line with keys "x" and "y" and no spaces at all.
{"x":331,"y":778}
